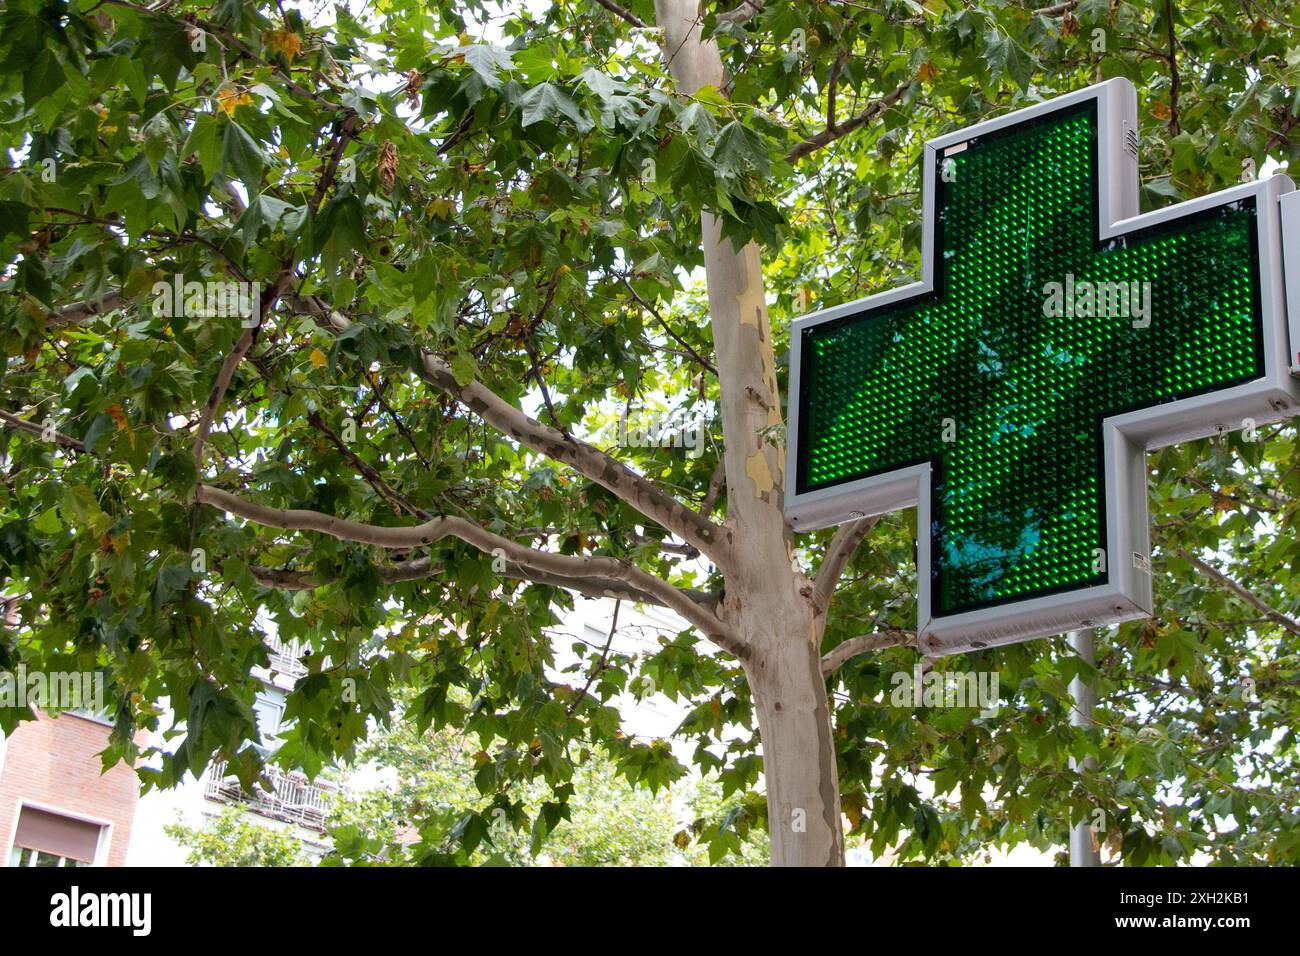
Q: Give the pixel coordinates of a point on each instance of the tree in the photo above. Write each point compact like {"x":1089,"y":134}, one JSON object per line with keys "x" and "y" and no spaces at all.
{"x":427,"y":812}
{"x":417,"y":804}
{"x":445,"y":214}
{"x":233,"y":838}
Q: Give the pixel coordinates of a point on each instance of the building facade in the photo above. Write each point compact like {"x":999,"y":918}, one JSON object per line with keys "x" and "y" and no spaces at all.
{"x":56,"y":807}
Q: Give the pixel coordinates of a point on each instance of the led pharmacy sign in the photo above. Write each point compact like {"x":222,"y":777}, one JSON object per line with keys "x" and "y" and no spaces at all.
{"x":1054,"y":337}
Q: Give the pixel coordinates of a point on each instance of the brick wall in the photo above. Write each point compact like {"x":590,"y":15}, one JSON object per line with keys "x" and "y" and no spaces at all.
{"x":54,"y":763}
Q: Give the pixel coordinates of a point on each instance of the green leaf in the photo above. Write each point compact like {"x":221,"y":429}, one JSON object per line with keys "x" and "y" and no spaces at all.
{"x":487,"y":61}
{"x":1160,"y":190}
{"x":14,"y":217}
{"x":263,"y":210}
{"x":205,"y":142}
{"x":546,"y":102}
{"x":740,"y":149}
{"x":698,"y":119}
{"x":343,"y":227}
{"x":273,"y":209}
{"x":1006,"y":57}
{"x":463,"y":367}
{"x":157,"y":140}
{"x":43,"y":77}
{"x":76,"y":377}
{"x":100,"y":426}
{"x":48,"y":522}
{"x":130,"y":73}
{"x":1089,"y":11}
{"x":241,"y":157}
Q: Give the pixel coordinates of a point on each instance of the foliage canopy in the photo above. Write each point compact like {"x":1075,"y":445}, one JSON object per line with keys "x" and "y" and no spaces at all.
{"x":437,"y":200}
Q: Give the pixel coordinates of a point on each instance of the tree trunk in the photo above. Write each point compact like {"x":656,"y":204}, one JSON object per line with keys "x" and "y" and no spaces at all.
{"x":803,"y":798}
{"x":767,"y":597}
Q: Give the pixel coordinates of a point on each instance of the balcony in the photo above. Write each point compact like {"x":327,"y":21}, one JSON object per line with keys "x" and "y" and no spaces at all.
{"x":285,"y":658}
{"x":292,"y":798}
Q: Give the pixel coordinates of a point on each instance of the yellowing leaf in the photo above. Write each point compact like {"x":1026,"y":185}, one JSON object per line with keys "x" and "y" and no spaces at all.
{"x":927,"y":72}
{"x":119,"y":420}
{"x":318,"y":358}
{"x":441,"y":208}
{"x":230,"y":99}
{"x":283,"y":41}
{"x":1160,"y":110}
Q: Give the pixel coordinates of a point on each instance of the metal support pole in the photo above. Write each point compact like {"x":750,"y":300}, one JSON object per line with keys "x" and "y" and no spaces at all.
{"x":1083,"y":852}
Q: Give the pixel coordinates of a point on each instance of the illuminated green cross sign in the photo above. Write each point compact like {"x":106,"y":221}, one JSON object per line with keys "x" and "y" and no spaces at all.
{"x":1011,"y":394}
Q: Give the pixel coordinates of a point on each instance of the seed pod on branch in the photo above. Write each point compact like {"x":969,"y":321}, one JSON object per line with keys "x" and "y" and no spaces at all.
{"x":388,"y":164}
{"x":414,"y":80}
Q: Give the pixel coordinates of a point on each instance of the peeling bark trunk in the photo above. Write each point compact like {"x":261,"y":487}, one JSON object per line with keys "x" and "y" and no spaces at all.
{"x":768,"y":600}
{"x":803,"y":799}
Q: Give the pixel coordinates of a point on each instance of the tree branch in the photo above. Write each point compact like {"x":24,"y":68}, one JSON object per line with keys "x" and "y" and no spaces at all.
{"x":665,"y":326}
{"x":744,"y":11}
{"x":841,"y":654}
{"x":344,"y":131}
{"x":35,"y":428}
{"x":236,"y":44}
{"x":844,"y":542}
{"x":693,"y":528}
{"x":564,"y":566}
{"x":415,"y":570}
{"x":717,"y":484}
{"x":1218,"y":496}
{"x":1175,"y":81}
{"x":600,"y":666}
{"x":625,"y":14}
{"x":1277,"y":617}
{"x":224,"y":375}
{"x":832,"y":86}
{"x":832,"y":133}
{"x":80,"y":311}
{"x":371,"y":475}
{"x":1280,"y":138}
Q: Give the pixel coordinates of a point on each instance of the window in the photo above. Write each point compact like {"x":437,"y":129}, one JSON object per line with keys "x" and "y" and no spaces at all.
{"x":269,"y":710}
{"x":50,"y":839}
{"x":22,"y":856}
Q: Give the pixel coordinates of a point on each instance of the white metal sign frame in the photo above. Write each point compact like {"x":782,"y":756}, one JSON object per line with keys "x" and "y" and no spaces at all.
{"x":1276,"y":395}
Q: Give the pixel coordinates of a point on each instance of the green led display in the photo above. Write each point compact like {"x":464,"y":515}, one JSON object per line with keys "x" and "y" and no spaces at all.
{"x":1035,"y":332}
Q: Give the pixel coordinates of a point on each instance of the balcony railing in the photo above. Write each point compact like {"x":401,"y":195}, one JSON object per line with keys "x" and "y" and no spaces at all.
{"x":292,"y":798}
{"x":284,"y":658}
